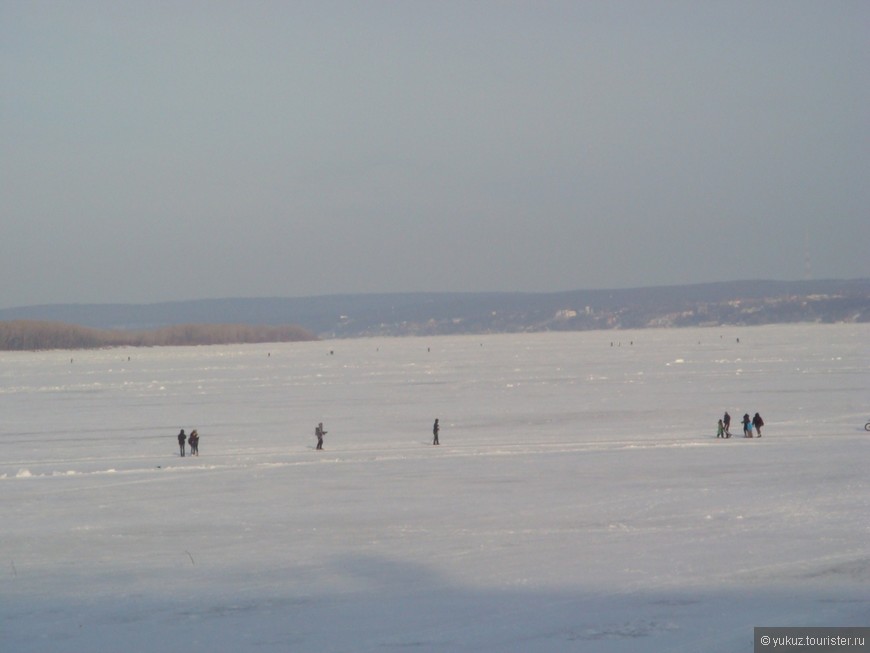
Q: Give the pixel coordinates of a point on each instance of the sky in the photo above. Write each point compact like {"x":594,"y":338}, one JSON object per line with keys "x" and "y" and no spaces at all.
{"x":158,"y":151}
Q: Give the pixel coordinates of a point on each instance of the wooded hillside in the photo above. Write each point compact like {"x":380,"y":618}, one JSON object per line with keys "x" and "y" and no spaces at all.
{"x":30,"y":335}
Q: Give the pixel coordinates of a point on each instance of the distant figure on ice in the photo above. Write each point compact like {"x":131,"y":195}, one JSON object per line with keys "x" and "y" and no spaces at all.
{"x":720,"y":430}
{"x":757,"y":422}
{"x":435,"y":429}
{"x":181,"y":438}
{"x":747,"y":426}
{"x":193,"y":441}
{"x":726,"y":422}
{"x":319,"y":433}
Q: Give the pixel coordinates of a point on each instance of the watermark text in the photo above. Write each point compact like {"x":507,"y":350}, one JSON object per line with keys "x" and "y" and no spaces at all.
{"x":812,"y":640}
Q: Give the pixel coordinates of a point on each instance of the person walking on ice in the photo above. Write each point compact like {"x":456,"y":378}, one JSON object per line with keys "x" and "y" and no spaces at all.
{"x":726,"y":422}
{"x":757,"y":422}
{"x":435,"y":429}
{"x":720,"y":430}
{"x":319,"y":433}
{"x":181,"y":438}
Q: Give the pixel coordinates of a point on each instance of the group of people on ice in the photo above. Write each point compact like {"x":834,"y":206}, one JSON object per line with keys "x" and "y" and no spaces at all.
{"x":723,"y":431}
{"x":724,"y":428}
{"x":192,"y":440}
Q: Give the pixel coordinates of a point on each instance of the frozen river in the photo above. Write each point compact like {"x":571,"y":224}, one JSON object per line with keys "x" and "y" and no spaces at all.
{"x":579,"y":500}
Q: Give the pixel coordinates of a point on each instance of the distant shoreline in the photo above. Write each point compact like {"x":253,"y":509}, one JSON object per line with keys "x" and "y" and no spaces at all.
{"x":738,"y":303}
{"x":40,"y":335}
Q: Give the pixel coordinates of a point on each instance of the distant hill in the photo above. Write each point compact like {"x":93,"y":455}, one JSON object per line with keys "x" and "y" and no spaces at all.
{"x":340,"y":316}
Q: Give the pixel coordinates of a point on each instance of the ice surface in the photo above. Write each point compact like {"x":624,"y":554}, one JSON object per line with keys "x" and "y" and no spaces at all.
{"x":579,"y":500}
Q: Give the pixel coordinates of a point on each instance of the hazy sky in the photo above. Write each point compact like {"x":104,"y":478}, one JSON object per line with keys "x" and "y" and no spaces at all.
{"x":169,"y":150}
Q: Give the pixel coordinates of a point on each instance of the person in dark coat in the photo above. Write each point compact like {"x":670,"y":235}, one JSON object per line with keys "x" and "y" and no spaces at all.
{"x":435,"y":429}
{"x":747,"y":426}
{"x":757,"y":422}
{"x":193,"y":441}
{"x":181,"y":438}
{"x":726,"y":422}
{"x":319,"y":433}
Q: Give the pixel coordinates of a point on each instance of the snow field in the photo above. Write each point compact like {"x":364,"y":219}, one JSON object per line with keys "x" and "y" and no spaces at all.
{"x":579,"y":500}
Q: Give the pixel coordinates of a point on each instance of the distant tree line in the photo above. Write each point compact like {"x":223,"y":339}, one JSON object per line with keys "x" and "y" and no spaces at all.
{"x":31,"y":335}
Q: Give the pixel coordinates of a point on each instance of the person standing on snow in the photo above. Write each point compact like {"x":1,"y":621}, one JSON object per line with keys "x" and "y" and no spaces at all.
{"x":181,"y":439}
{"x":720,"y":430}
{"x":726,"y":422}
{"x":319,"y":433}
{"x":435,"y":429}
{"x":747,"y":426}
{"x":193,"y":440}
{"x":757,"y":422}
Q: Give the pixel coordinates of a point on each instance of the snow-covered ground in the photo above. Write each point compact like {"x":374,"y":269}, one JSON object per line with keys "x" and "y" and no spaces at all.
{"x":579,"y":500}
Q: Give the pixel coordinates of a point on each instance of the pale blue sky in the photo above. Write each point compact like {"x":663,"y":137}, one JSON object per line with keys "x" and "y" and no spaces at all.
{"x":156,"y":151}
